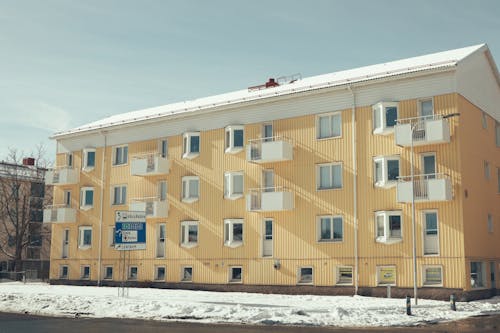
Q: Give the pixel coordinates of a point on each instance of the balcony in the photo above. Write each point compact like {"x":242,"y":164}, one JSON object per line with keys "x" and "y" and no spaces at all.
{"x":267,"y":150}
{"x":430,"y":187}
{"x":269,"y":199}
{"x":59,"y":214}
{"x":61,"y":176}
{"x":152,"y":206}
{"x":149,"y":165}
{"x":427,"y":130}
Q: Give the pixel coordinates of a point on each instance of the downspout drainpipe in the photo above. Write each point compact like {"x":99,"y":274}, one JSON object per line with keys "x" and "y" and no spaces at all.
{"x":103,"y":164}
{"x":355,"y":190}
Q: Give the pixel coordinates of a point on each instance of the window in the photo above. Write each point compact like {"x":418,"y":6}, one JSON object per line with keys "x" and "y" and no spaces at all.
{"x":86,"y":198}
{"x":88,"y":159}
{"x":490,"y":223}
{"x":487,"y":174}
{"x":163,"y":148}
{"x":385,"y":115}
{"x":160,"y":240}
{"x":484,"y":120}
{"x":388,"y":226}
{"x":160,"y":273}
{"x":497,"y":134}
{"x":234,"y":139}
{"x":431,"y":232}
{"x":477,"y":276}
{"x":329,"y":126}
{"x":119,"y":195}
{"x":426,"y":108}
{"x":386,"y":275}
{"x":120,"y":155}
{"x":385,"y":171}
{"x":162,"y":190}
{"x":344,"y":275}
{"x":84,"y":237}
{"x":69,"y":160}
{"x":433,"y":276}
{"x":108,"y":273}
{"x":187,"y":274}
{"x":132,"y":273}
{"x":63,"y":272}
{"x":498,"y":180}
{"x":267,"y":238}
{"x":233,"y":185}
{"x":189,"y":233}
{"x":233,"y":232}
{"x":305,"y":275}
{"x":190,"y":189}
{"x":235,"y":274}
{"x":329,"y":176}
{"x":85,"y":272}
{"x":330,"y":228}
{"x":111,"y":237}
{"x":191,"y":145}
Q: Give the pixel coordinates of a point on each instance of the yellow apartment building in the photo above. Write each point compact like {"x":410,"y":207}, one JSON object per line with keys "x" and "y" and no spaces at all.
{"x":343,"y":183}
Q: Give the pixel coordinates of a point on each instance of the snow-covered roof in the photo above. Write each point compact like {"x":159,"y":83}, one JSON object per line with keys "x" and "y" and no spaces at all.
{"x":427,"y":62}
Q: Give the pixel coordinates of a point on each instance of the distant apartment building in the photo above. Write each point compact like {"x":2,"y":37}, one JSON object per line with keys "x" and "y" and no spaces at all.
{"x":313,"y":185}
{"x":24,"y":239}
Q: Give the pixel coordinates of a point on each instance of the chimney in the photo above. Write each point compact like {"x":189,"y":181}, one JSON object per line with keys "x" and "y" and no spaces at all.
{"x":28,"y":161}
{"x":271,"y":83}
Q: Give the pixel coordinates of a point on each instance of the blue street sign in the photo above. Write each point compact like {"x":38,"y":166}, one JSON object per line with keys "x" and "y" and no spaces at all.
{"x":130,"y":230}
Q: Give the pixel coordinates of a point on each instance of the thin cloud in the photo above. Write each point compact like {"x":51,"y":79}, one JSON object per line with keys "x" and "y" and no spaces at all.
{"x":40,"y":115}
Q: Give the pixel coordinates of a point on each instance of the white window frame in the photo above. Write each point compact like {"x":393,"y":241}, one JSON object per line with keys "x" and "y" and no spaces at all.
{"x":183,"y":270}
{"x":384,"y":161}
{"x":129,"y":273}
{"x":84,"y":205}
{"x":121,"y":199}
{"x":189,"y":197}
{"x":186,"y":145}
{"x":422,"y":100}
{"x":160,"y":239}
{"x":106,"y":277}
{"x":229,"y":225}
{"x":425,"y":282}
{"x":230,"y":277}
{"x":229,"y":181}
{"x":184,"y":239}
{"x":85,"y":159}
{"x":300,"y":278}
{"x":111,"y":236}
{"x":156,"y":275}
{"x":424,"y":229}
{"x":230,"y":147}
{"x":387,"y":238}
{"x":163,"y":154}
{"x":331,"y":116}
{"x":484,"y":120}
{"x":162,"y":196}
{"x":124,"y":155}
{"x":339,"y":281}
{"x":318,"y":176}
{"x":332,"y":228}
{"x":82,"y":272}
{"x":379,"y":113}
{"x":379,"y":268}
{"x":61,"y":270}
{"x":81,"y":237}
{"x":69,"y":159}
{"x":487,"y":170}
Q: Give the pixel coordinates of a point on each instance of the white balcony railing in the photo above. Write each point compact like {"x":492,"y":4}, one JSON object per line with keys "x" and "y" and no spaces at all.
{"x":427,"y":130}
{"x":59,"y":214}
{"x":153,"y":206}
{"x":61,"y":176}
{"x":149,"y":165}
{"x":429,"y":187}
{"x":272,"y":149}
{"x":269,"y":199}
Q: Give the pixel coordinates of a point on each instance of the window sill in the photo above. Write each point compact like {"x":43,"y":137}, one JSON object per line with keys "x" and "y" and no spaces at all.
{"x":328,"y":188}
{"x":233,"y":150}
{"x":84,"y":247}
{"x":119,"y":165}
{"x":386,"y":184}
{"x":234,"y":197}
{"x":329,"y":138}
{"x":233,"y":244}
{"x":88,"y":169}
{"x":235,"y":281}
{"x":189,"y":200}
{"x":383,"y":131}
{"x":388,"y":241}
{"x":326,"y":241}
{"x":189,"y":245}
{"x":86,"y":207}
{"x":305,"y":283}
{"x":186,"y":281}
{"x":344,"y":284}
{"x":432,"y":285}
{"x":190,"y":156}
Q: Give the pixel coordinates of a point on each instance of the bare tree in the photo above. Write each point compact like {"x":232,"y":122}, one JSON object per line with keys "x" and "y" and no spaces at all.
{"x":22,"y":196}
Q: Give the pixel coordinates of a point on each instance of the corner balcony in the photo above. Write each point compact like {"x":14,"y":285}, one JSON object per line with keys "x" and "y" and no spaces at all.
{"x":269,"y":199}
{"x":430,"y":187}
{"x":59,"y":214}
{"x":427,"y":130}
{"x":152,"y":206}
{"x":149,"y":165}
{"x":61,"y":176}
{"x":267,"y":150}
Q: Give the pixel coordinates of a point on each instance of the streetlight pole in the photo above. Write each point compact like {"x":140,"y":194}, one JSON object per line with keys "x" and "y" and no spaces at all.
{"x":412,"y":167}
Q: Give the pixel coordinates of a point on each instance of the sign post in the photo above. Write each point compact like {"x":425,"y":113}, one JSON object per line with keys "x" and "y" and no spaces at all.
{"x":130,"y":234}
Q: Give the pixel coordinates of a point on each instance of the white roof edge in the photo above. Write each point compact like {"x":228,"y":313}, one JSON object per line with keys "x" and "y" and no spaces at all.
{"x":409,"y":66}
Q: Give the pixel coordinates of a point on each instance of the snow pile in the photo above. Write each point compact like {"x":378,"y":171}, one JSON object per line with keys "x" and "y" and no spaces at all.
{"x":213,"y":307}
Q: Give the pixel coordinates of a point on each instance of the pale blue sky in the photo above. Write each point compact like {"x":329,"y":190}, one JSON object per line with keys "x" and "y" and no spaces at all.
{"x":65,"y":63}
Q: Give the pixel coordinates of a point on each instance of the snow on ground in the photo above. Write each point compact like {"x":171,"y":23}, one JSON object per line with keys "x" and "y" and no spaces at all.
{"x":230,"y":307}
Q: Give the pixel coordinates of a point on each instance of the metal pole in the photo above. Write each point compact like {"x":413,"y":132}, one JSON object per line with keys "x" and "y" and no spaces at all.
{"x":413,"y":218}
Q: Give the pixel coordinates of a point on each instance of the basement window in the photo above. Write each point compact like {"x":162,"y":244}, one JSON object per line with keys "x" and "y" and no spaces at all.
{"x":235,"y":274}
{"x":305,"y":275}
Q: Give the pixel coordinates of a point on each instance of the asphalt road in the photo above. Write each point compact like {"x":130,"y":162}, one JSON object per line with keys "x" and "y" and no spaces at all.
{"x":16,"y":323}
